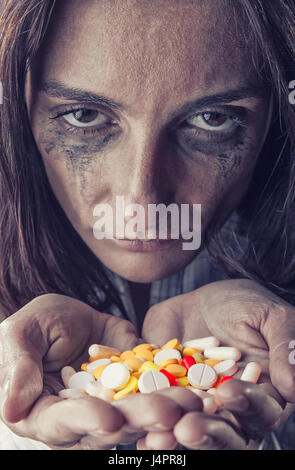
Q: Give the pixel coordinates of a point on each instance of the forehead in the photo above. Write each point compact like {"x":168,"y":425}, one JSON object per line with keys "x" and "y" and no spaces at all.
{"x":140,"y":48}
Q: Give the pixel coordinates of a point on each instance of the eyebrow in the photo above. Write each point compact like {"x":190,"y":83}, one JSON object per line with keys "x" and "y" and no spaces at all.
{"x":58,"y":90}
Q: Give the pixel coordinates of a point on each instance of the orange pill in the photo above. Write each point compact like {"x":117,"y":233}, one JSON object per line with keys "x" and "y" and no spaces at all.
{"x":191,"y":351}
{"x":168,"y":362}
{"x":84,"y":366}
{"x":115,"y":358}
{"x":98,"y":371}
{"x":177,"y":370}
{"x":183,"y":381}
{"x":134,"y":362}
{"x":212,"y":362}
{"x":172,"y":344}
{"x":142,"y":347}
{"x":155,"y":351}
{"x":127,"y":354}
{"x":198,"y":357}
{"x":145,"y":354}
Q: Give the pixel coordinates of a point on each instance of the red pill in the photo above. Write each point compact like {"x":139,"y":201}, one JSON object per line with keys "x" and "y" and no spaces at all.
{"x":225,"y":379}
{"x":188,"y":361}
{"x":172,"y":379}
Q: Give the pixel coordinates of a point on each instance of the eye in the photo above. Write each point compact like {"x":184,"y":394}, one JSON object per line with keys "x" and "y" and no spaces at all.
{"x":213,"y":121}
{"x":86,"y":118}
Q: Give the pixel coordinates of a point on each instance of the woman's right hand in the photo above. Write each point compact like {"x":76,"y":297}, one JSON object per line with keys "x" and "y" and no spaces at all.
{"x":50,"y":332}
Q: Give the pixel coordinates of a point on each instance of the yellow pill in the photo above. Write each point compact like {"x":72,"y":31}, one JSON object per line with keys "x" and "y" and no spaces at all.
{"x":134,"y":362}
{"x":98,"y":371}
{"x":136,"y":374}
{"x":177,"y":370}
{"x":115,"y":358}
{"x":168,"y":362}
{"x":148,"y":365}
{"x":183,"y":381}
{"x":155,"y":351}
{"x":172,"y":344}
{"x":199,"y":358}
{"x":84,"y":365}
{"x":126,"y":354}
{"x":191,"y":351}
{"x":142,"y":347}
{"x":212,"y":362}
{"x":180,"y":348}
{"x":145,"y":354}
{"x":130,"y":388}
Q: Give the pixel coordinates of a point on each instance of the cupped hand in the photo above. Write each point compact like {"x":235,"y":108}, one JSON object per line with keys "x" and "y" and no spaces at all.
{"x":240,"y":313}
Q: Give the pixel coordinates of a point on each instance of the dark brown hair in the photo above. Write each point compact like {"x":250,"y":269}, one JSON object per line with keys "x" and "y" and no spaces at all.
{"x":41,"y":252}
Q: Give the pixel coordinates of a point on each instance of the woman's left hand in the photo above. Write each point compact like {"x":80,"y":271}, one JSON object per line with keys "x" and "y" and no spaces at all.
{"x":240,"y":313}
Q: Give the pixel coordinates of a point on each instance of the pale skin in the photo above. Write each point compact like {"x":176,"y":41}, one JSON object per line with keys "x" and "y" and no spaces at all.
{"x":148,"y":148}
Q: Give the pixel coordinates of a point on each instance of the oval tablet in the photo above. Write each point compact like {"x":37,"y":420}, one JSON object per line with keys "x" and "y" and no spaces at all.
{"x":202,"y":343}
{"x":80,"y":380}
{"x":71,"y":393}
{"x":228,"y":367}
{"x":96,"y":389}
{"x":202,"y":376}
{"x":66,"y":373}
{"x":152,"y":380}
{"x":115,"y":376}
{"x":166,"y":354}
{"x":99,"y":362}
{"x":223,"y":352}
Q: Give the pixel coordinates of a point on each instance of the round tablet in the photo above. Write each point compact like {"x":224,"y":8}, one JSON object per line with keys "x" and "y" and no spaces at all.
{"x":202,"y":376}
{"x":152,"y":380}
{"x":80,"y":380}
{"x":166,"y":354}
{"x":115,"y":376}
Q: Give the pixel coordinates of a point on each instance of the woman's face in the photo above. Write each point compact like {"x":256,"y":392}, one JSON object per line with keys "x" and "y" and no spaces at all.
{"x":153,"y":100}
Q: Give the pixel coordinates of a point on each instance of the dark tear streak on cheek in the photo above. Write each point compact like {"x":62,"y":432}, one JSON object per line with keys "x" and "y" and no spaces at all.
{"x":80,"y":158}
{"x":230,"y":162}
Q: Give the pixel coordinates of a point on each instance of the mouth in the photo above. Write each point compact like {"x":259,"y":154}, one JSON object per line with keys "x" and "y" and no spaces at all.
{"x":144,"y":245}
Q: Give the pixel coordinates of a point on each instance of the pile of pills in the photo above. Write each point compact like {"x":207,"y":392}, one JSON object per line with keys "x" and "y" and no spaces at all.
{"x":200,"y":365}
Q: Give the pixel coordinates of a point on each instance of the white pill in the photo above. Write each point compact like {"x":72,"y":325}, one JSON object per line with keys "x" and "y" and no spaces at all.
{"x":96,"y":389}
{"x":80,"y":379}
{"x":223,"y":352}
{"x":115,"y":376}
{"x":202,"y":343}
{"x":70,"y":393}
{"x":209,"y":405}
{"x":201,"y":393}
{"x":228,"y":367}
{"x":152,"y":380}
{"x":99,"y":362}
{"x":166,"y":354}
{"x":66,"y":374}
{"x":202,"y":376}
{"x":251,"y":372}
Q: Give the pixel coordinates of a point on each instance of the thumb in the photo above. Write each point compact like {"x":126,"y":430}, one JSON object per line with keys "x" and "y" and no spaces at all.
{"x":120,"y":334}
{"x":280,"y":335}
{"x":21,"y":376}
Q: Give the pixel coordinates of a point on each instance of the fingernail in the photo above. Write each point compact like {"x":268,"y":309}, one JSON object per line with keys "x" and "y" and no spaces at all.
{"x":239,"y":403}
{"x":205,"y":441}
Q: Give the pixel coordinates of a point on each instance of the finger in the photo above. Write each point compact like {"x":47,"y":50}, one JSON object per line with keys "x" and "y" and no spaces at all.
{"x":164,"y":440}
{"x":119,"y":333}
{"x":59,"y":422}
{"x":197,"y":430}
{"x":279,"y":331}
{"x":158,"y":411}
{"x":256,"y":411}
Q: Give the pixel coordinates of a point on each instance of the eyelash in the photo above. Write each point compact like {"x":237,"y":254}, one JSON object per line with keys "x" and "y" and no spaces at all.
{"x":238,"y":118}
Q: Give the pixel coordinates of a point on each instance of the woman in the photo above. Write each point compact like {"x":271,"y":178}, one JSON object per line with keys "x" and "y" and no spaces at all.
{"x":157,"y":102}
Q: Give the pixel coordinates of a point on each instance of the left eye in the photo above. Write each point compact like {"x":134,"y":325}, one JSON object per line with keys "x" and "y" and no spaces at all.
{"x":86,"y":118}
{"x":211,"y":121}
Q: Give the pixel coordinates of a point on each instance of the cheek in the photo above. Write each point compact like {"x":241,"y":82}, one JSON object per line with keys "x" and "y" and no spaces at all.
{"x":219,"y":181}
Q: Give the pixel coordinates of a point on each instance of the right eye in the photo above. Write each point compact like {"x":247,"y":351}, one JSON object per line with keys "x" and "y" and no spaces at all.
{"x":86,"y":118}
